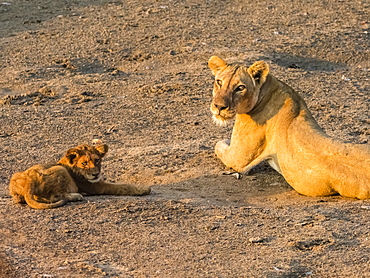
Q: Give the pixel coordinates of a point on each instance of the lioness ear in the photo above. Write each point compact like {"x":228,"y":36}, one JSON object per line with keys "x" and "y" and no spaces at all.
{"x":216,"y":64}
{"x":258,"y":71}
{"x":102,"y":149}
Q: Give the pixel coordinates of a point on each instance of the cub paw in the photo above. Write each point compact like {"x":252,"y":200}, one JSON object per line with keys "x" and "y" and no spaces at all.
{"x":73,"y":197}
{"x":17,"y":199}
{"x":143,"y":190}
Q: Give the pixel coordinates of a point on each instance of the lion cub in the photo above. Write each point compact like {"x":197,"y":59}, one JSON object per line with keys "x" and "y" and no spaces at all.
{"x":78,"y":171}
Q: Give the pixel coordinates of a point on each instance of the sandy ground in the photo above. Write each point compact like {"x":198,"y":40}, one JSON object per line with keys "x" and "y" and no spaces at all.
{"x":134,"y":74}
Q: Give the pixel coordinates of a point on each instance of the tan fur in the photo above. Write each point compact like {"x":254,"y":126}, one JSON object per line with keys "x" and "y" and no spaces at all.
{"x":273,"y":123}
{"x":78,"y":171}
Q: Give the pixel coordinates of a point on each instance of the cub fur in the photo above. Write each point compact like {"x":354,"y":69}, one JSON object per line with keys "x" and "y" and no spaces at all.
{"x":78,"y":171}
{"x":273,"y":123}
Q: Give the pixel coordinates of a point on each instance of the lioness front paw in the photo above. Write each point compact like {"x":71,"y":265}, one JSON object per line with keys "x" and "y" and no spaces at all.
{"x":221,"y":146}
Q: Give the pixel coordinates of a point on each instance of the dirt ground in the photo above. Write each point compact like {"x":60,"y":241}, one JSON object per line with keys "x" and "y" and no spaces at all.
{"x":134,"y":74}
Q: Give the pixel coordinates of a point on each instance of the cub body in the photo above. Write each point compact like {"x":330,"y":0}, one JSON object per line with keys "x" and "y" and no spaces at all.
{"x":78,"y":171}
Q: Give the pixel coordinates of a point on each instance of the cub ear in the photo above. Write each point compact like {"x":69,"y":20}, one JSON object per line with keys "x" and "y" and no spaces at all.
{"x":71,"y":155}
{"x":102,"y":149}
{"x":258,"y":71}
{"x":216,"y":64}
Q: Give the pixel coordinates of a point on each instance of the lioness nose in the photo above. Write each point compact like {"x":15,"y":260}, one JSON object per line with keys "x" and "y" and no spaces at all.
{"x":220,"y":107}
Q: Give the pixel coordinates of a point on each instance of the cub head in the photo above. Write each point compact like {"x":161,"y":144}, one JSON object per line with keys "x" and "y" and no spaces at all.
{"x":236,"y":88}
{"x":85,"y":161}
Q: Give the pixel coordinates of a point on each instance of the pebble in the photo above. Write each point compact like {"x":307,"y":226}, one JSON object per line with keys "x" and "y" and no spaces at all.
{"x":255,"y":240}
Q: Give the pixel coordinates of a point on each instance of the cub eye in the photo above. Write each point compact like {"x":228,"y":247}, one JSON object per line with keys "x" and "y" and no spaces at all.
{"x":240,"y":88}
{"x":219,"y":82}
{"x":84,"y":163}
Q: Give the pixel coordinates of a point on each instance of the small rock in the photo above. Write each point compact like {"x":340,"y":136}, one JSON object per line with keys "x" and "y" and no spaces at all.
{"x":255,"y":240}
{"x":96,"y":141}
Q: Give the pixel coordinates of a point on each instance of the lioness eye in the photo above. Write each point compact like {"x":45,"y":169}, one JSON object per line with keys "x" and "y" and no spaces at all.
{"x":219,"y":82}
{"x":97,"y":160}
{"x":240,"y":88}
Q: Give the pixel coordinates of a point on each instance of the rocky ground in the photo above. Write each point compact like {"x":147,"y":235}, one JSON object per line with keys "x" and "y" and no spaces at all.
{"x":134,"y":75}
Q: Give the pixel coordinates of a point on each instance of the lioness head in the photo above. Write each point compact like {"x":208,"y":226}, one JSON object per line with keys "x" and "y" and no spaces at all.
{"x":236,"y":88}
{"x":85,"y":161}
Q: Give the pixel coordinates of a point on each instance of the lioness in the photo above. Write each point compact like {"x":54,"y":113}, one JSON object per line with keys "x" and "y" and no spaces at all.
{"x":78,"y":171}
{"x":273,"y":123}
